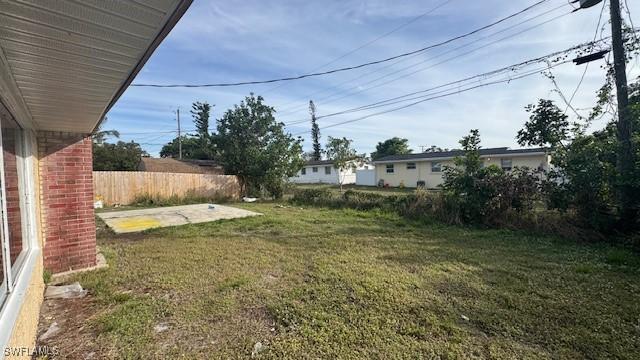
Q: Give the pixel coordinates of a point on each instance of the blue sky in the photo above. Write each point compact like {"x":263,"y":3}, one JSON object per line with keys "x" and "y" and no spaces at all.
{"x":229,"y":41}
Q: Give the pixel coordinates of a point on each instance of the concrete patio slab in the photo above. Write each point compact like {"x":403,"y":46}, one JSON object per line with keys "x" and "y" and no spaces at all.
{"x":139,"y":220}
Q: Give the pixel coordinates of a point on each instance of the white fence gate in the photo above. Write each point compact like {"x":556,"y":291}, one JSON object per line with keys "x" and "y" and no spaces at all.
{"x":366,"y":177}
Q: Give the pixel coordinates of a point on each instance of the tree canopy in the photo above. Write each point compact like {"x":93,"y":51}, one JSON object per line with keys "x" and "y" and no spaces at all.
{"x":121,"y":156}
{"x":393,"y":146}
{"x":254,"y":146}
{"x":199,"y":146}
{"x":343,"y":155}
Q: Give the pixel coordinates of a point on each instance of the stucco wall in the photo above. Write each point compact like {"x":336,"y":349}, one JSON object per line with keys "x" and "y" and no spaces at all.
{"x":422,"y":172}
{"x":26,"y":325}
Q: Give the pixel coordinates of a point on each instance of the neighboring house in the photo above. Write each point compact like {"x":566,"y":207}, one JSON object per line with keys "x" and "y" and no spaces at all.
{"x":63,"y":64}
{"x":325,"y":172}
{"x":428,"y":168}
{"x":188,"y":166}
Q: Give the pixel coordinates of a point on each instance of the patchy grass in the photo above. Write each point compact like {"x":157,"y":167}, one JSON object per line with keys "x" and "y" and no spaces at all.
{"x":320,"y":283}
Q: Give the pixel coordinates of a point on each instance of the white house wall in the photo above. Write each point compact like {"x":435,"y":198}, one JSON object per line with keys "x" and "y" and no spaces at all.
{"x":348,"y":176}
{"x":422,"y":172}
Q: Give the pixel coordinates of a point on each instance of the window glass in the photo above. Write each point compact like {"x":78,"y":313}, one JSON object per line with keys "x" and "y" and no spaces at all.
{"x":327,"y":170}
{"x":389,"y":168}
{"x":411,"y":166}
{"x":13,"y":184}
{"x":506,"y":164}
{"x":303,"y":171}
{"x":315,"y":169}
{"x":436,"y":166}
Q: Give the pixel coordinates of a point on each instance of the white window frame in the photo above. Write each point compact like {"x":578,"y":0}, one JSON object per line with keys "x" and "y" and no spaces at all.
{"x":411,"y":166}
{"x":390,"y":167}
{"x":314,"y":169}
{"x":17,"y":278}
{"x":327,"y":170}
{"x":303,"y":171}
{"x":433,"y":166}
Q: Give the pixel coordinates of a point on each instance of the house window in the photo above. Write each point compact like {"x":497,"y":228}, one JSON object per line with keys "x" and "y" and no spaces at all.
{"x":303,"y":171}
{"x":506,"y":164}
{"x":15,"y":205}
{"x":314,"y":169}
{"x":327,"y":170}
{"x":389,"y":168}
{"x":436,"y":166}
{"x":411,"y":166}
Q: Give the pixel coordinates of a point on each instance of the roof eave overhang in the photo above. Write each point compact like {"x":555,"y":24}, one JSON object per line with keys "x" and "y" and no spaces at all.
{"x":177,"y":14}
{"x":453,"y":157}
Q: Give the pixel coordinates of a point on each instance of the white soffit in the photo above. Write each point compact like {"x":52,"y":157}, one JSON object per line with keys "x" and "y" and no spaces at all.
{"x":70,"y":60}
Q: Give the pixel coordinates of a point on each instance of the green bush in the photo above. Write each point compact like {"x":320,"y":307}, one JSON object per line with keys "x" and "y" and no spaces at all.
{"x":311,"y":196}
{"x":189,"y":198}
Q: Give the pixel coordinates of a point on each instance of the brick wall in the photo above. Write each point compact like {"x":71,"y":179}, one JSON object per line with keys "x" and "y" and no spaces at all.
{"x":66,"y":191}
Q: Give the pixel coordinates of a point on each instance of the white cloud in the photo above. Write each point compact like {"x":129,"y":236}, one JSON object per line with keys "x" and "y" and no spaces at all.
{"x":249,"y":40}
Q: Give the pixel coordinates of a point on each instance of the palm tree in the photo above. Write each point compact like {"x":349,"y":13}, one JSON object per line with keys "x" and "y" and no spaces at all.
{"x":99,"y":136}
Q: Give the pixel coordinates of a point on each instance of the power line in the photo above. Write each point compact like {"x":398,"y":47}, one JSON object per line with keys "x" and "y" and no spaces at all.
{"x":527,"y":62}
{"x":411,"y":21}
{"x":434,"y":65}
{"x":287,"y":110}
{"x":314,"y":74}
{"x":586,"y":67}
{"x":432,"y":98}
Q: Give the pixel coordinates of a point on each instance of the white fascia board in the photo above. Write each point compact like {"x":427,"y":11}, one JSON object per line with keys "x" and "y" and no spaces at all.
{"x":453,"y":157}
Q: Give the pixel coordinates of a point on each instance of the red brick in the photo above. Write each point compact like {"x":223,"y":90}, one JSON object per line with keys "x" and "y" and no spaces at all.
{"x":67,"y":200}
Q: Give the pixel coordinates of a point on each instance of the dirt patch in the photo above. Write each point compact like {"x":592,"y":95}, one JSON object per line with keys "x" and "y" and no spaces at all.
{"x":76,"y":338}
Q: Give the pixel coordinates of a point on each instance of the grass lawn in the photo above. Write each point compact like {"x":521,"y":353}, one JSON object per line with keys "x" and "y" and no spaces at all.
{"x":319,"y":283}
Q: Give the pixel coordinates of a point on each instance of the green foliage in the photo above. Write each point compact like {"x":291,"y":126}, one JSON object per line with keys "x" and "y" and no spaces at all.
{"x":585,"y":177}
{"x":315,"y":133}
{"x":484,"y":194}
{"x":122,"y":156}
{"x":255,"y":147}
{"x":191,"y":149}
{"x":146,"y":200}
{"x":199,"y":146}
{"x":201,"y":112}
{"x":393,"y":146}
{"x":547,"y":126}
{"x":343,"y":155}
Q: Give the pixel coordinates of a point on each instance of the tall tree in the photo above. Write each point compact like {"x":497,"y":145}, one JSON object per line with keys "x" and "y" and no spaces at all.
{"x":393,"y":146}
{"x":199,"y":146}
{"x":254,"y":146}
{"x":315,"y":132}
{"x":99,"y":136}
{"x":343,"y":155}
{"x":201,"y":112}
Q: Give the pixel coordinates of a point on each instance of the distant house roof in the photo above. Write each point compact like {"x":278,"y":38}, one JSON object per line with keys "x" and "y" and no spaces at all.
{"x":170,"y":165}
{"x":318,"y":162}
{"x":454,"y":153}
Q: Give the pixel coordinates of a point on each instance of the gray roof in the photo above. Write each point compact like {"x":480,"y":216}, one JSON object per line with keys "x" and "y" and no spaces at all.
{"x":454,"y":153}
{"x":318,"y":162}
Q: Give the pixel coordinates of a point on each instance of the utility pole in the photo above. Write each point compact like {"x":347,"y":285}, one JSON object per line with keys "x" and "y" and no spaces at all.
{"x":625,"y":159}
{"x":179,"y":135}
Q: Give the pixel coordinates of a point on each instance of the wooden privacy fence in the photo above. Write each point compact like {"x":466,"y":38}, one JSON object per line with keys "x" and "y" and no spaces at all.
{"x":123,"y":187}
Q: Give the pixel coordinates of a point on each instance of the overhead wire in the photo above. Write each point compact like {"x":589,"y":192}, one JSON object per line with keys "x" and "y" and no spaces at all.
{"x":527,"y":62}
{"x":287,"y":110}
{"x":360,"y":90}
{"x":349,"y":68}
{"x":400,"y":27}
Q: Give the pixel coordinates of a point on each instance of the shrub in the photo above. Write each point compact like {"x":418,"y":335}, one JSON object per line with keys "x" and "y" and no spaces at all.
{"x":311,"y":196}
